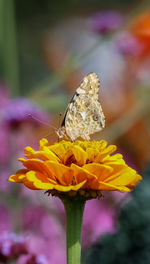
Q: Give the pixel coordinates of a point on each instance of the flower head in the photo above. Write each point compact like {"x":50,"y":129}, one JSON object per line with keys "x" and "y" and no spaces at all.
{"x":12,"y":245}
{"x":106,"y":21}
{"x":18,"y":111}
{"x":127,"y":44}
{"x":75,"y":166}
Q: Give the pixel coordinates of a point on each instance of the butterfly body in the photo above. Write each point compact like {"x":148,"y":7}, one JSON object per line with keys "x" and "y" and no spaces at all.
{"x":84,"y":115}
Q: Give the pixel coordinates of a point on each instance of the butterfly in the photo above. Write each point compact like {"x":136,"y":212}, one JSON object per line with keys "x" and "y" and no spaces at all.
{"x":84,"y":115}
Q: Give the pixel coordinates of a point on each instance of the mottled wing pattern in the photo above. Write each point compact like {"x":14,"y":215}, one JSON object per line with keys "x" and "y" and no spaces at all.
{"x":84,"y":115}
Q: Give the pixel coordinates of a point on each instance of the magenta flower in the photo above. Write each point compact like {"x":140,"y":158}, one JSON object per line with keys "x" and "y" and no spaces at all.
{"x":47,"y":241}
{"x":20,"y":110}
{"x":53,"y":247}
{"x":29,"y":220}
{"x":105,"y":221}
{"x":106,"y":21}
{"x":32,"y":259}
{"x":11,"y":245}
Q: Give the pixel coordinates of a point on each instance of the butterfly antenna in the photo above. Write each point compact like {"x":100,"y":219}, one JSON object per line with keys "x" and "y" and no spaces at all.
{"x":42,"y":122}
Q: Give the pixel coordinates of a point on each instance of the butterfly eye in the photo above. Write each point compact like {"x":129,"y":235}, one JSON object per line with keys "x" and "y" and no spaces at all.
{"x":95,"y":117}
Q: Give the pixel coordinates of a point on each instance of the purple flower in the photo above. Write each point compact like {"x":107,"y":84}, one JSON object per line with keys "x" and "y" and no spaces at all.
{"x":41,"y":259}
{"x":53,"y":247}
{"x":20,"y":110}
{"x":27,"y":259}
{"x":128,"y":45}
{"x":106,"y":21}
{"x":32,"y":259}
{"x":47,"y":239}
{"x":12,"y":245}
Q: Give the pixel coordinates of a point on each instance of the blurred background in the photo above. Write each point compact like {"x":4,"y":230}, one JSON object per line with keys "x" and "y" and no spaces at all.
{"x":46,"y":48}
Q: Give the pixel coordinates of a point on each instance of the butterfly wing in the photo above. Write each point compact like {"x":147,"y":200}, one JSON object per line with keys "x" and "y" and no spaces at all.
{"x":84,"y":115}
{"x":89,"y":85}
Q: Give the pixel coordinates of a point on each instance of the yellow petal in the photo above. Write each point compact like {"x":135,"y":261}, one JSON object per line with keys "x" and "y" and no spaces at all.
{"x":110,"y":187}
{"x":34,"y":180}
{"x":76,"y":187}
{"x":81,"y":174}
{"x":37,"y":165}
{"x":62,"y":173}
{"x":110,"y":160}
{"x":104,"y":153}
{"x":92,"y":154}
{"x":77,"y":154}
{"x":43,"y":142}
{"x":122,"y":177}
{"x":19,"y":176}
{"x":44,"y":154}
{"x":60,"y":148}
{"x":100,"y":170}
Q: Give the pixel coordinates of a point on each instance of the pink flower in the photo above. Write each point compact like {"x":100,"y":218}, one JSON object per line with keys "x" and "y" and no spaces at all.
{"x":105,"y":221}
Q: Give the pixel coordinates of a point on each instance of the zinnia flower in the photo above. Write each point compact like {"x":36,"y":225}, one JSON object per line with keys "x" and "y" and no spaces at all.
{"x":79,"y":166}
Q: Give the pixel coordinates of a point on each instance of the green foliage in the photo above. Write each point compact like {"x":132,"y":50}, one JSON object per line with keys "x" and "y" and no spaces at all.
{"x":8,"y":46}
{"x":131,"y":244}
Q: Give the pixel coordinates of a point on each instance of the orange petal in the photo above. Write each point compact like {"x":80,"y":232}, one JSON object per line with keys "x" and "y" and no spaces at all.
{"x":69,"y":188}
{"x":37,"y":165}
{"x":82,"y":174}
{"x":110,"y":187}
{"x":19,"y":176}
{"x":62,"y":173}
{"x":34,"y":180}
{"x":100,"y":170}
{"x":122,"y":177}
{"x":78,"y":153}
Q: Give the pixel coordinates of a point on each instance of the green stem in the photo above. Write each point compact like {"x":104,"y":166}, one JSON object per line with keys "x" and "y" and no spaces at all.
{"x":74,"y":214}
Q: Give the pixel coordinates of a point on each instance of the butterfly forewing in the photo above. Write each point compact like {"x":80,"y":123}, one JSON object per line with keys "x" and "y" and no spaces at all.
{"x":84,"y":115}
